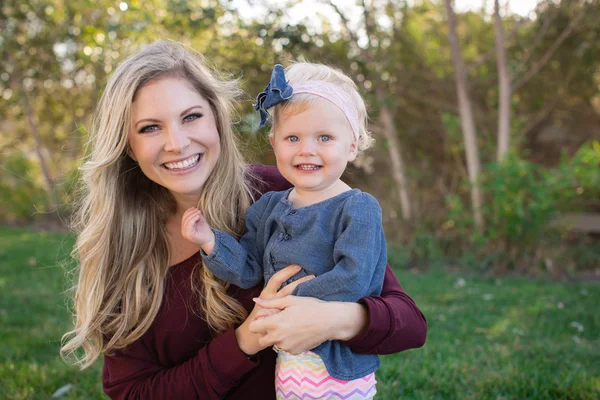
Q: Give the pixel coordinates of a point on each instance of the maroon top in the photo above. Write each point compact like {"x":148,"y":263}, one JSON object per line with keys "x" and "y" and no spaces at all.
{"x":180,"y":357}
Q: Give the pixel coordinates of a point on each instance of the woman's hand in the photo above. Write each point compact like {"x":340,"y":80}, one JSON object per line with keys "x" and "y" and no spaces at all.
{"x":250,"y":342}
{"x":305,"y":322}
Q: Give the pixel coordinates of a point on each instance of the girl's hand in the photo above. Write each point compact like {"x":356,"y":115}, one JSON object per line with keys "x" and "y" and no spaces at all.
{"x":248,"y":341}
{"x":195,"y":229}
{"x":305,"y":322}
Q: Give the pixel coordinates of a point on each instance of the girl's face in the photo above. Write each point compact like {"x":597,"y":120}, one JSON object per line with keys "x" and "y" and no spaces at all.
{"x":174,"y":137}
{"x":313,"y":146}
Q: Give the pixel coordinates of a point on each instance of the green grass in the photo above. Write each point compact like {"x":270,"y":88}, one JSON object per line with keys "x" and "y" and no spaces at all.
{"x":488,"y":338}
{"x":34,"y":316}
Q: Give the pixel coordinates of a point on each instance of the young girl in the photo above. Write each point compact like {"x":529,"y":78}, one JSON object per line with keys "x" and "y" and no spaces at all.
{"x":333,"y":231}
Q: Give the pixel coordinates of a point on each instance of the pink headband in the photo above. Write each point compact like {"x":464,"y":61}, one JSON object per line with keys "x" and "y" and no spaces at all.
{"x":335,"y":95}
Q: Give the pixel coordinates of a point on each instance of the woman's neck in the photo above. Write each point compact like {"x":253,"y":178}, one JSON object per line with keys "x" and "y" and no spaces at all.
{"x":179,"y":247}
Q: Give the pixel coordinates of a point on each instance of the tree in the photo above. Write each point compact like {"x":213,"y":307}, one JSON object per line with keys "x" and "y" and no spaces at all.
{"x":368,"y":54}
{"x":504,"y":94}
{"x":466,"y":116}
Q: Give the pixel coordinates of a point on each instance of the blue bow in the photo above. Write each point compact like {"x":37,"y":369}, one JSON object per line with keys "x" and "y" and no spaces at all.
{"x":276,"y":92}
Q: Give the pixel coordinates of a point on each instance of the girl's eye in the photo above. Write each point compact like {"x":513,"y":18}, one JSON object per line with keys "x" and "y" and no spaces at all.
{"x":149,"y":129}
{"x":293,"y":139}
{"x":325,"y":138}
{"x":192,"y":117}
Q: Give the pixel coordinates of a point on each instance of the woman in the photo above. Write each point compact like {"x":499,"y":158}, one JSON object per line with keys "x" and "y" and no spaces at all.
{"x":162,"y":142}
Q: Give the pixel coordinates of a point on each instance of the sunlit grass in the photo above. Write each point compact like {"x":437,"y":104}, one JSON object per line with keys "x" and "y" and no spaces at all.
{"x":34,"y":316}
{"x":490,"y":338}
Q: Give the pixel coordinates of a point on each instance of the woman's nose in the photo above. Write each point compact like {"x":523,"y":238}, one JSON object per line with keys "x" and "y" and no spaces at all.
{"x":176,"y":140}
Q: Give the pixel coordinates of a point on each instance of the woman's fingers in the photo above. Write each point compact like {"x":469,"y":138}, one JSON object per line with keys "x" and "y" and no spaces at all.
{"x":279,"y":303}
{"x":289,"y":289}
{"x":278,"y":279}
{"x":266,"y":312}
{"x":302,"y":324}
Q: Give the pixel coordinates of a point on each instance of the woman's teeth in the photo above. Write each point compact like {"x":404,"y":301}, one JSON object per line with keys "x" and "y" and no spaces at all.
{"x":190,"y":162}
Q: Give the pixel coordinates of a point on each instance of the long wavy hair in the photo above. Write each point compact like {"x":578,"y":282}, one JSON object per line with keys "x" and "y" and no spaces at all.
{"x":122,"y":242}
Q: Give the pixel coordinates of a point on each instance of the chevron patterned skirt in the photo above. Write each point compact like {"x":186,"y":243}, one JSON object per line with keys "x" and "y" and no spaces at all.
{"x":303,"y":377}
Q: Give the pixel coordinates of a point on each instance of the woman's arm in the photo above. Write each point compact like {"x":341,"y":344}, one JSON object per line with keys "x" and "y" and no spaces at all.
{"x":217,"y":368}
{"x":135,"y":373}
{"x":395,"y":323}
{"x":383,"y":324}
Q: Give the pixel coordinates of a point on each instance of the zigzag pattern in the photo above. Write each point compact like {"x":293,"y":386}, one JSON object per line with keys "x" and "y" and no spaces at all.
{"x":305,"y":377}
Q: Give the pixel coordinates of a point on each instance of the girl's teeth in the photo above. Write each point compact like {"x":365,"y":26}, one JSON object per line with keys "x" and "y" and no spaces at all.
{"x":183,"y":164}
{"x":308,"y":167}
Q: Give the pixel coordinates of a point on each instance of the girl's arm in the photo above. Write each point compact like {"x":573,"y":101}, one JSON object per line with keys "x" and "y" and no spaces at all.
{"x":383,"y":324}
{"x":240,"y":263}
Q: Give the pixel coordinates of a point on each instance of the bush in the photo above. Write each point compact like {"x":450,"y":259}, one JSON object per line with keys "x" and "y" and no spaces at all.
{"x":20,"y":193}
{"x":521,"y":201}
{"x":23,"y":195}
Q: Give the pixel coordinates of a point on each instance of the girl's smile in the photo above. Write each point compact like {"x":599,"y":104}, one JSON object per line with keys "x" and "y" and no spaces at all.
{"x":313,"y":148}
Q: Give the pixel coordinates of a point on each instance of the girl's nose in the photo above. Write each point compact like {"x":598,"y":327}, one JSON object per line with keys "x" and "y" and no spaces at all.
{"x":176,"y":140}
{"x":308,"y":148}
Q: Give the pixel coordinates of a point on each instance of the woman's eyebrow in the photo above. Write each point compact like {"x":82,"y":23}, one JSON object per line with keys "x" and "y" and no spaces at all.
{"x":189,"y":109}
{"x":146,"y":120}
{"x":156,"y":120}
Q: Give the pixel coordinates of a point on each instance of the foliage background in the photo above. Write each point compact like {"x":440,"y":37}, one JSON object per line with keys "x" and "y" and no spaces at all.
{"x":56,"y":57}
{"x":491,"y":336}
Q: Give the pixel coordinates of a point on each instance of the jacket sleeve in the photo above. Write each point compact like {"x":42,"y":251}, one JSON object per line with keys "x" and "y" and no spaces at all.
{"x":134,"y":372}
{"x":240,"y":263}
{"x":395,"y":322}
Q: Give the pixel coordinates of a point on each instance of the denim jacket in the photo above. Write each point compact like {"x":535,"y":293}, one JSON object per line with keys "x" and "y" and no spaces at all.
{"x":339,"y":240}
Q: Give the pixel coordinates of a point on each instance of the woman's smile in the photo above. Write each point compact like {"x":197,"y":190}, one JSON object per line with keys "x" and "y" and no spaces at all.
{"x":183,"y":165}
{"x":174,"y":137}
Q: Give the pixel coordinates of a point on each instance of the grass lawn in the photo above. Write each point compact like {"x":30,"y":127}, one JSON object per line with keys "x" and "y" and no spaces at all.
{"x":488,"y":338}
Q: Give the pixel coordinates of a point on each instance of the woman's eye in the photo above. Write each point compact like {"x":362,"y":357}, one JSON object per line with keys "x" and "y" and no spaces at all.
{"x":149,"y":129}
{"x":325,"y":138}
{"x":293,"y":139}
{"x":192,"y":117}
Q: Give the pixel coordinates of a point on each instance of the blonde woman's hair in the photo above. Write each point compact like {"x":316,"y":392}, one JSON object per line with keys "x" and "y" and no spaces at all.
{"x":304,"y":72}
{"x":122,"y":244}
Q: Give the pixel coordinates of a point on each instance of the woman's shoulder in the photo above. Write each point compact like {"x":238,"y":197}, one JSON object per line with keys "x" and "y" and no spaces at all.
{"x":266,"y":178}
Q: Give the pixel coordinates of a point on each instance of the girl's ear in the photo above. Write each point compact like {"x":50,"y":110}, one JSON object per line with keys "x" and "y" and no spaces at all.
{"x":271,"y":139}
{"x":353,"y":151}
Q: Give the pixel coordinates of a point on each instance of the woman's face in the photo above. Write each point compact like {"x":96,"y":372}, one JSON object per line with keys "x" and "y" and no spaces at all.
{"x":173,"y":136}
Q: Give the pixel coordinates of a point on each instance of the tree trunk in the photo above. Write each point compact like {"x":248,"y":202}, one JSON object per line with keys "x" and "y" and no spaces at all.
{"x":389,"y":128}
{"x":394,"y":149}
{"x":40,"y":150}
{"x":466,"y":117}
{"x":504,"y":92}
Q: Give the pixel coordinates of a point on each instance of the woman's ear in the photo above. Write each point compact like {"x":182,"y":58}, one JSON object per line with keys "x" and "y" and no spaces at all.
{"x":130,"y":152}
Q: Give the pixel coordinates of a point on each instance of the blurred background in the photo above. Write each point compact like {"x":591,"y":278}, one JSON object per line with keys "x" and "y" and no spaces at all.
{"x":487,"y":166}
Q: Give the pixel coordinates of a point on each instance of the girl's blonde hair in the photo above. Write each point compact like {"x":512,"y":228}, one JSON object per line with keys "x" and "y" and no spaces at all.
{"x":122,"y":242}
{"x":304,"y":72}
